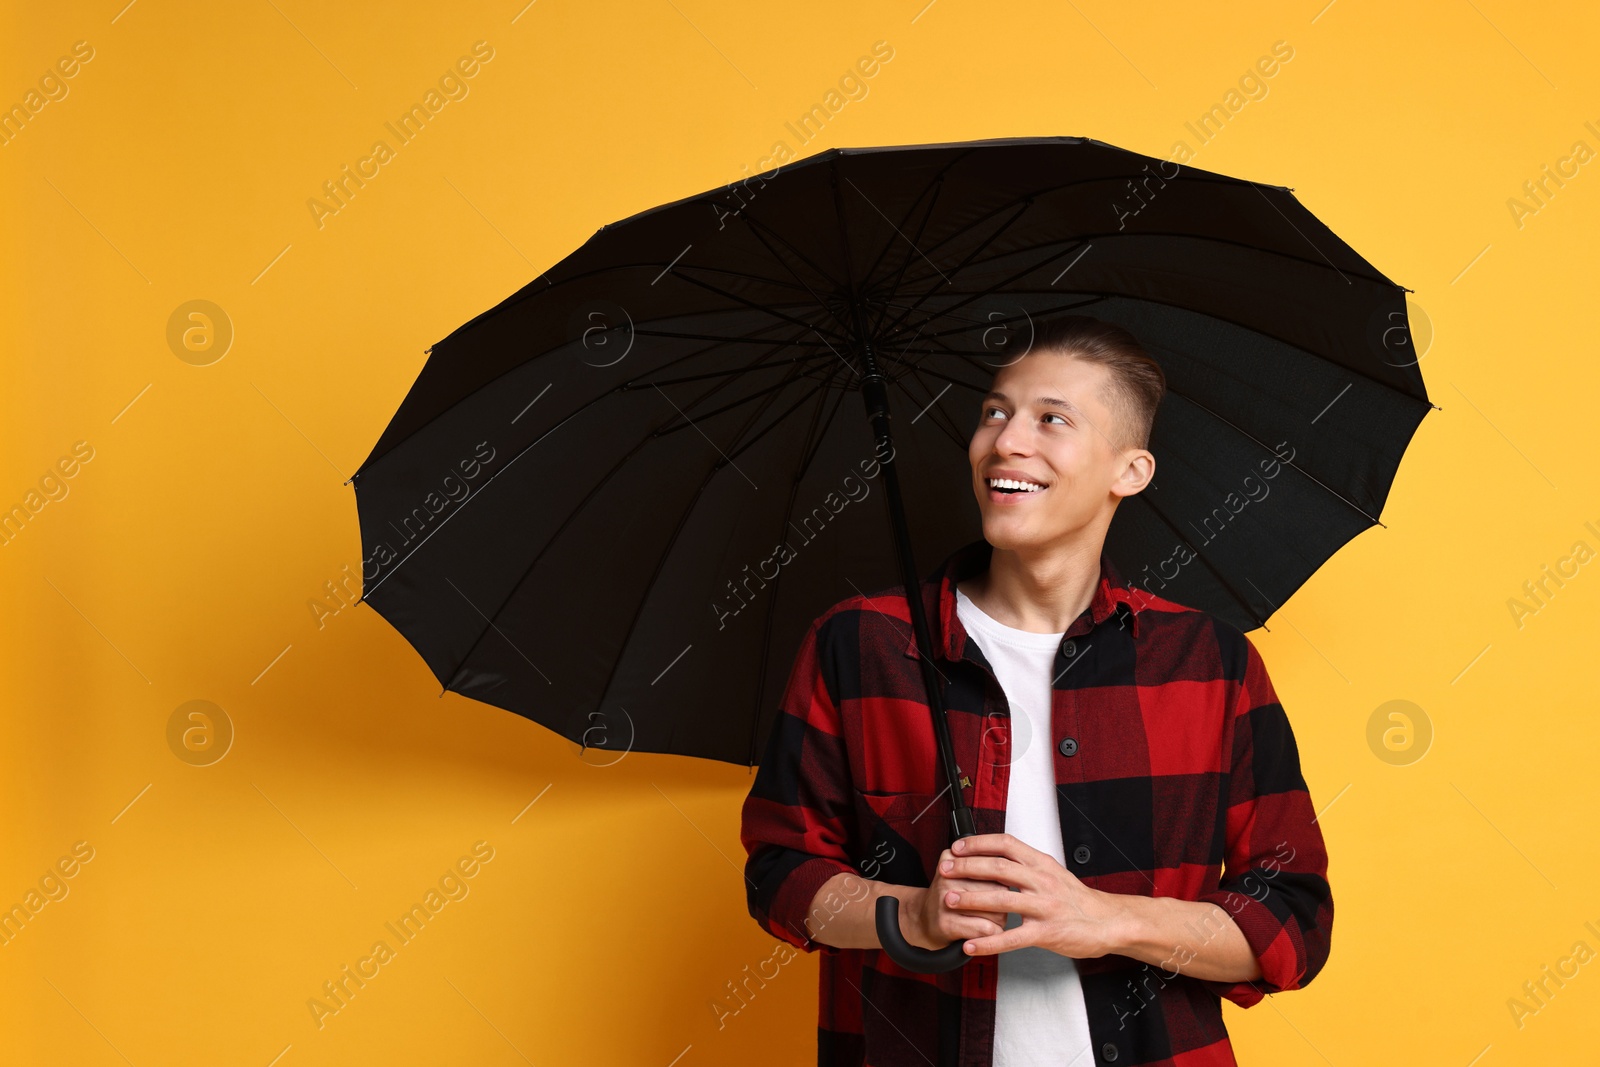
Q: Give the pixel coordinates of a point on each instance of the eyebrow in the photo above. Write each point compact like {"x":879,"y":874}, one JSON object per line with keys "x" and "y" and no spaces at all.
{"x":1050,"y":401}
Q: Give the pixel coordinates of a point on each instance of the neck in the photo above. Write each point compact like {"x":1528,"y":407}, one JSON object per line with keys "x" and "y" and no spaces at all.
{"x":1041,"y":590}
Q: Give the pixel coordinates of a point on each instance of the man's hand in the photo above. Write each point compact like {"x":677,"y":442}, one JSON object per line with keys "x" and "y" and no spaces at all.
{"x":1062,"y":914}
{"x":1058,"y":911}
{"x":931,"y":922}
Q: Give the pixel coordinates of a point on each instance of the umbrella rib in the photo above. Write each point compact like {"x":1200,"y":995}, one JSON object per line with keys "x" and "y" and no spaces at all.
{"x":1358,"y":509}
{"x":515,"y":300}
{"x":979,"y":388}
{"x":899,"y":324}
{"x":744,"y":446}
{"x":745,"y":369}
{"x":939,"y":416}
{"x":1323,"y":265}
{"x":776,"y":344}
{"x":844,"y":243}
{"x":1220,"y":577}
{"x":989,"y":324}
{"x":1313,"y":353}
{"x":813,"y":444}
{"x":661,"y":559}
{"x":572,"y":515}
{"x":763,"y":308}
{"x":772,"y":601}
{"x":936,"y":181}
{"x":905,"y":264}
{"x":718,"y":339}
{"x":748,"y":277}
{"x":1105,"y":295}
{"x":935,"y":186}
{"x":829,"y":279}
{"x":1060,"y":186}
{"x":820,"y":302}
{"x":721,"y":339}
{"x":520,"y":297}
{"x":947,"y":279}
{"x":775,"y":347}
{"x":753,"y":337}
{"x":366,"y":593}
{"x":663,"y":431}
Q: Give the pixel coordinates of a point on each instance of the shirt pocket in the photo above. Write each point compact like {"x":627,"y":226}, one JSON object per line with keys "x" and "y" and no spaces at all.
{"x":903,"y":834}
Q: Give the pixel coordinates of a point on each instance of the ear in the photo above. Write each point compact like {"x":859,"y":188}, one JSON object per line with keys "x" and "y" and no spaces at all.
{"x":1139,"y":469}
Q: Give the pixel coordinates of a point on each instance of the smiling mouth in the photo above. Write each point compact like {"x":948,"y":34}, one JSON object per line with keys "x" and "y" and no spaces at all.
{"x":1012,"y":486}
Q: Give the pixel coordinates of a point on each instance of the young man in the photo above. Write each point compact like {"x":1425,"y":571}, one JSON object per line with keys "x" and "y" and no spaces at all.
{"x":1145,"y":843}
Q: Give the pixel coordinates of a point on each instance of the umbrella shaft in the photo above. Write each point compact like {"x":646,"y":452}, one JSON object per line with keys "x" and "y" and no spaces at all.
{"x":875,"y":394}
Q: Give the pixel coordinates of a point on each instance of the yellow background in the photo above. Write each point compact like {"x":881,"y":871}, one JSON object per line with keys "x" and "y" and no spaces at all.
{"x":180,"y":564}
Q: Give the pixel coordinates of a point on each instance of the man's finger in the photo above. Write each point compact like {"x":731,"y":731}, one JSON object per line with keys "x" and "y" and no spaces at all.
{"x":1007,"y":845}
{"x":990,"y":844}
{"x":998,"y":900}
{"x":989,"y":868}
{"x":1016,"y":937}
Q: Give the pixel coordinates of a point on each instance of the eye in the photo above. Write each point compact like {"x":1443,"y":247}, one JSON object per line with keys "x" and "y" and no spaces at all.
{"x":1057,"y":415}
{"x":989,"y":411}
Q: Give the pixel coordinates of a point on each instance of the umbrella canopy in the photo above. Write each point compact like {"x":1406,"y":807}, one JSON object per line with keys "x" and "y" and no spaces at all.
{"x":613,"y":502}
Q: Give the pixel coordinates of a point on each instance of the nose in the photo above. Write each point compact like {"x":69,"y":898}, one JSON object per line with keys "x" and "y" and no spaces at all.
{"x":1012,"y":439}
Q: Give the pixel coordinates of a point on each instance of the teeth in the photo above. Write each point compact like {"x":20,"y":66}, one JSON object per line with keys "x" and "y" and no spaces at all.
{"x":1010,"y":483}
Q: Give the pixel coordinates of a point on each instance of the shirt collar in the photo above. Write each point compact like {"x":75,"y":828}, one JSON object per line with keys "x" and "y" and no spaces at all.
{"x":1112,"y":595}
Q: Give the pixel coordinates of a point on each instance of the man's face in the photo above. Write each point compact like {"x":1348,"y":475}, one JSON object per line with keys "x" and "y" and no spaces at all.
{"x":1045,"y":421}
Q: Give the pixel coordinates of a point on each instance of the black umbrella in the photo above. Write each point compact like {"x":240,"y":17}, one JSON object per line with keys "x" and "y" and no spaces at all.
{"x":613,"y":502}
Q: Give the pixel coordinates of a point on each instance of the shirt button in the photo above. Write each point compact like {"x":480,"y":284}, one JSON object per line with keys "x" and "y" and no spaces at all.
{"x":1069,"y":746}
{"x":1108,"y":1051}
{"x":1080,"y":855}
{"x":1069,"y":648}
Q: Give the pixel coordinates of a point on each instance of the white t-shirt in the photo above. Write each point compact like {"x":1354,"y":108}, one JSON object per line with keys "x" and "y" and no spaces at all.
{"x":1040,"y":1018}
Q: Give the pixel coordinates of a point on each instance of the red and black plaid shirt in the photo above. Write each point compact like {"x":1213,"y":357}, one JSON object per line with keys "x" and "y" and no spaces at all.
{"x":1172,"y":759}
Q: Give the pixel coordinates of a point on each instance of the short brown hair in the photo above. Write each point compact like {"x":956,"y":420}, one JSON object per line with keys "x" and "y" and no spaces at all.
{"x":1137,"y":382}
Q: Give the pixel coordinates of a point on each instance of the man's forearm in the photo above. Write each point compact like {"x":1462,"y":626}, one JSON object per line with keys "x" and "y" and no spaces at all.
{"x":843,"y":913}
{"x":1192,"y":936}
{"x":1196,"y":938}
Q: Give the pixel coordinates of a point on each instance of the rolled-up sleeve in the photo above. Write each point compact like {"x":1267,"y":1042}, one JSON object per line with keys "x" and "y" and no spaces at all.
{"x":1275,"y":881}
{"x":795,"y":825}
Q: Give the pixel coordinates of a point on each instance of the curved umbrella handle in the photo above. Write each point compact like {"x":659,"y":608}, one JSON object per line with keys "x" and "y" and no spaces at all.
{"x":903,"y":952}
